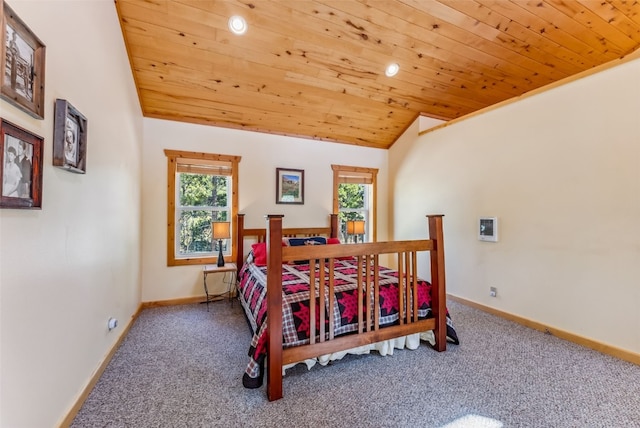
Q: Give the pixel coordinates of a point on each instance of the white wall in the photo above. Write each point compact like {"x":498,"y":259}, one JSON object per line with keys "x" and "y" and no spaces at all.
{"x":67,"y":268}
{"x":425,"y":123}
{"x":561,"y":171}
{"x":261,"y":155}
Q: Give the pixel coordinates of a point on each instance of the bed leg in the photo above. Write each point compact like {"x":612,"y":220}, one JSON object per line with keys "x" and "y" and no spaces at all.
{"x":239,"y":241}
{"x":438,"y":289}
{"x":274,"y":379}
{"x":274,"y":307}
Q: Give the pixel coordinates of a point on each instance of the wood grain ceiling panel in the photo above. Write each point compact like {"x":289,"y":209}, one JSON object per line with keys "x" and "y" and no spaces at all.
{"x":315,"y":68}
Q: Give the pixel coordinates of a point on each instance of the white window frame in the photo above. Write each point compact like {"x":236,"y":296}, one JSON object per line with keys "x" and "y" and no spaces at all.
{"x":212,"y":209}
{"x":204,"y":160}
{"x":358,"y":175}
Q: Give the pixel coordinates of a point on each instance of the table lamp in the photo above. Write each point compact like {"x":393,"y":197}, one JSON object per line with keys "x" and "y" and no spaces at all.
{"x":355,"y":228}
{"x":221,"y":230}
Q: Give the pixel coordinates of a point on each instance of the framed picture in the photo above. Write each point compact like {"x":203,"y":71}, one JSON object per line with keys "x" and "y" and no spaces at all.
{"x":22,"y":76}
{"x":289,"y":186}
{"x":20,"y":167}
{"x":488,"y":229}
{"x":69,"y":138}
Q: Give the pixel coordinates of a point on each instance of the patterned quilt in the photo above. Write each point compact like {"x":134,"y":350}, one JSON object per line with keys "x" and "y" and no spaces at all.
{"x":295,"y":307}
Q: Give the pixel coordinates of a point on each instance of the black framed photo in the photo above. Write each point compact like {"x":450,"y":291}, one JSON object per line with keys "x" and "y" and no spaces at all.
{"x":22,"y":62}
{"x":69,"y":138}
{"x":20,"y":167}
{"x":289,"y":186}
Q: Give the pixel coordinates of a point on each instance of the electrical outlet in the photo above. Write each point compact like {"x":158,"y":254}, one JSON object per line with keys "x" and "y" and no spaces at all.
{"x":493,"y":291}
{"x":113,"y":323}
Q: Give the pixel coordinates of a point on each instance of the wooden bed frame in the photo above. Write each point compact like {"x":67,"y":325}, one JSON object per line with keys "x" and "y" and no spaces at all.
{"x":367,"y":255}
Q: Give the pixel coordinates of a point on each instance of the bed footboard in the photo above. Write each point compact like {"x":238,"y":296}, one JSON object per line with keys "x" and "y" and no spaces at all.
{"x":322,"y":340}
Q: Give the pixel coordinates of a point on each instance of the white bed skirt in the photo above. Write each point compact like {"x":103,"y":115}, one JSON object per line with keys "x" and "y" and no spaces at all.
{"x":384,"y":348}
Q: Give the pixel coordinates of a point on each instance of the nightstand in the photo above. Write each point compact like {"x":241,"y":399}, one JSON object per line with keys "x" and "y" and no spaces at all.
{"x":228,"y":269}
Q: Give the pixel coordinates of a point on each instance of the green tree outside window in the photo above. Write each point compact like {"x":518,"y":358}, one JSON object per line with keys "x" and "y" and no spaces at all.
{"x":352,"y":204}
{"x":203,"y":198}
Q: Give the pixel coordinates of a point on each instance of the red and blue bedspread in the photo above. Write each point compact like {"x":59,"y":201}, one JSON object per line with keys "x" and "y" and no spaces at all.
{"x":295,"y":307}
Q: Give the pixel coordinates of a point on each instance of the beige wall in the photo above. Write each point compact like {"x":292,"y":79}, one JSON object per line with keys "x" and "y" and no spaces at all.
{"x":561,"y":171}
{"x":67,"y":268}
{"x":261,"y":154}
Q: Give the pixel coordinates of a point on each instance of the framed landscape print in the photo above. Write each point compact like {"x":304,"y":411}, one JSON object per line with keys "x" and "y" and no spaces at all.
{"x":289,"y":186}
{"x":20,"y":167}
{"x":69,"y":138}
{"x":22,"y":62}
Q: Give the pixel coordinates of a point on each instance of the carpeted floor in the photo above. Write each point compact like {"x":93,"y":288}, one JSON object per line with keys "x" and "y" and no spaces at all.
{"x":182,"y":366}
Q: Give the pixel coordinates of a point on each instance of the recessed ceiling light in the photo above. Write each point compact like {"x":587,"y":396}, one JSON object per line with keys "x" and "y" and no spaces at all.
{"x":392,"y":69}
{"x":237,"y":25}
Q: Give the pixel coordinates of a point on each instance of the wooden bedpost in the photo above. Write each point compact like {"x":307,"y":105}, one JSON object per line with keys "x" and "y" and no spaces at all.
{"x":438,"y":289}
{"x":274,"y":307}
{"x":240,"y":242}
{"x":334,"y":225}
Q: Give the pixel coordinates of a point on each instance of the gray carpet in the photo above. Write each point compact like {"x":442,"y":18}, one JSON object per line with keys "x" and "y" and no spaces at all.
{"x":182,"y":366}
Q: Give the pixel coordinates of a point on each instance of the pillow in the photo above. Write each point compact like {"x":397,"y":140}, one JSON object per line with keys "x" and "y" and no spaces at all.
{"x":311,"y":240}
{"x":331,"y":241}
{"x":259,"y":253}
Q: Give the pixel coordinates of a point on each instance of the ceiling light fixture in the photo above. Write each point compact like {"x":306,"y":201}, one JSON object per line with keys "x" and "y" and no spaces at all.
{"x":237,"y":25}
{"x":392,"y":70}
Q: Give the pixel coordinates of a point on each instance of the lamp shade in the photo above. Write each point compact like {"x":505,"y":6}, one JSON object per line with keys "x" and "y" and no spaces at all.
{"x":221,"y":230}
{"x":355,"y":227}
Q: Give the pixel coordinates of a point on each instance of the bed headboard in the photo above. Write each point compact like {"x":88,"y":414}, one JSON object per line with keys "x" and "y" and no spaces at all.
{"x":259,"y":234}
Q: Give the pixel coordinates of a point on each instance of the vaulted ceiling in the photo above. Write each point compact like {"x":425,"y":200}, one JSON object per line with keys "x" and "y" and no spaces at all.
{"x":316,"y":68}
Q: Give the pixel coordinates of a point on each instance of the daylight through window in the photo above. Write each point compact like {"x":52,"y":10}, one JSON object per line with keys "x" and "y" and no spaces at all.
{"x":201,"y":192}
{"x":355,"y":199}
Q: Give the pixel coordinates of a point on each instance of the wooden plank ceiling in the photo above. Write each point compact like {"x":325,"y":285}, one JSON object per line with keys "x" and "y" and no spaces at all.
{"x":315,"y":68}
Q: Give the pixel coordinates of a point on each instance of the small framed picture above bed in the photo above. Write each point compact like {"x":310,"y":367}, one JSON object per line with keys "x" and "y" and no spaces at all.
{"x":289,"y":186}
{"x":488,"y":229}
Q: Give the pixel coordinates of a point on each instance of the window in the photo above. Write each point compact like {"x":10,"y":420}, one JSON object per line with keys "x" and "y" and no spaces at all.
{"x":355,"y":198}
{"x":202,"y":188}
